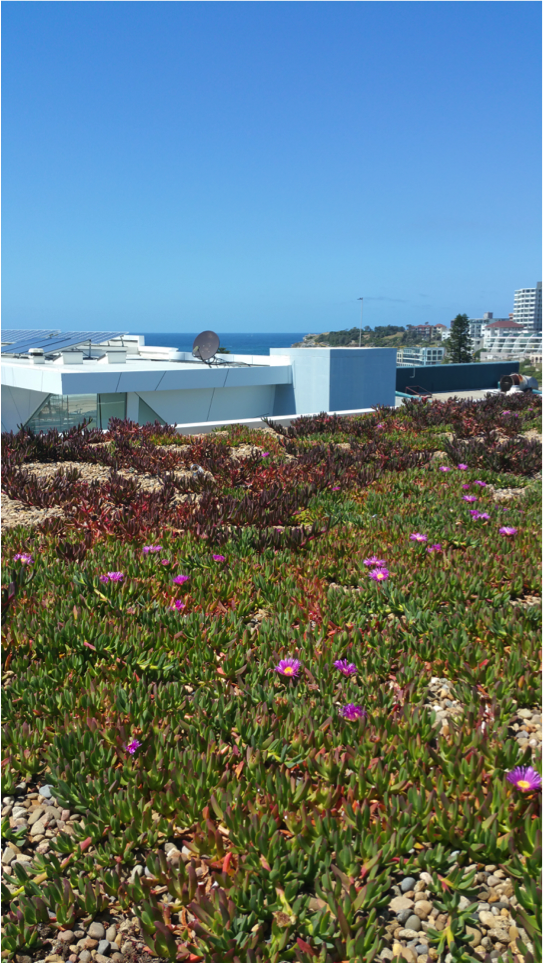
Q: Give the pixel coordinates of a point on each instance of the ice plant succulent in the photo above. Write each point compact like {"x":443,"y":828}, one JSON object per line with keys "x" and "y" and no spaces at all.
{"x":435,"y":548}
{"x":444,"y":468}
{"x":469,"y":498}
{"x":479,"y":482}
{"x":218,"y":558}
{"x":462,"y":466}
{"x":379,"y":575}
{"x":374,"y":561}
{"x":179,"y":580}
{"x":525,"y":778}
{"x":508,"y":531}
{"x":348,"y":669}
{"x":147,"y":549}
{"x":352,"y":712}
{"x":418,"y":537}
{"x":177,"y":604}
{"x":112,"y":576}
{"x":288,"y":667}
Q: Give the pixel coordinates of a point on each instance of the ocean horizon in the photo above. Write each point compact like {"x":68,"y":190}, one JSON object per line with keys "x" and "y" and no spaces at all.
{"x":238,"y":343}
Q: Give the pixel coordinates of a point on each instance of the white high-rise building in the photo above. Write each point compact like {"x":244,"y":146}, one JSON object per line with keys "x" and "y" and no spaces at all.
{"x":527,"y":307}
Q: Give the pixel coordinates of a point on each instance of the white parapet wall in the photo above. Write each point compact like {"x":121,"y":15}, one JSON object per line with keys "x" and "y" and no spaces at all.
{"x":288,"y":382}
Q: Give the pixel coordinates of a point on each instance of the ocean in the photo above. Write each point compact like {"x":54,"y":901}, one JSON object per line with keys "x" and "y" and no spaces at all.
{"x":238,"y":343}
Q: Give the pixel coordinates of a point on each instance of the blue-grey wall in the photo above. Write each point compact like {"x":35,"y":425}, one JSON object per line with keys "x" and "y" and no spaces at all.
{"x":336,"y":379}
{"x":455,"y":378}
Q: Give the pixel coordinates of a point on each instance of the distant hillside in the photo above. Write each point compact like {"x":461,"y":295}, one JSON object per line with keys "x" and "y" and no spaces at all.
{"x":385,"y":336}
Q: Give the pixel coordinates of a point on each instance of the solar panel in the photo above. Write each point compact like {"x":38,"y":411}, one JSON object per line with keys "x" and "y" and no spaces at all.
{"x":19,"y":334}
{"x":66,"y":339}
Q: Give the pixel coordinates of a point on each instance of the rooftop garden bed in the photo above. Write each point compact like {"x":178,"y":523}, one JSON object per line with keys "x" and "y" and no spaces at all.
{"x":275,"y":696}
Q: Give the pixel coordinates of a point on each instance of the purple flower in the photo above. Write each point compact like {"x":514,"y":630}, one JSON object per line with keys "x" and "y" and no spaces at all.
{"x":435,"y":548}
{"x":475,"y":514}
{"x":462,"y":466}
{"x":466,"y":485}
{"x":506,"y":412}
{"x":525,"y":779}
{"x":352,"y":712}
{"x":508,"y":531}
{"x":374,"y":561}
{"x":478,"y":482}
{"x":418,"y":537}
{"x":25,"y":558}
{"x":165,"y":562}
{"x":380,"y":425}
{"x":220,"y":558}
{"x":335,"y":488}
{"x":177,"y":604}
{"x":348,"y":669}
{"x":104,"y":578}
{"x":469,"y":498}
{"x":265,"y":455}
{"x":116,"y":576}
{"x":379,"y":575}
{"x":444,"y":468}
{"x":288,"y":667}
{"x":132,"y":746}
{"x":179,"y":580}
{"x":147,"y":549}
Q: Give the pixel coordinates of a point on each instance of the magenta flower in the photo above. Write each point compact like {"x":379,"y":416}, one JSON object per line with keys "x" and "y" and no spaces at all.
{"x":466,"y":485}
{"x":219,"y":558}
{"x":147,"y":549}
{"x":179,"y":580}
{"x":374,"y":561}
{"x":380,"y":425}
{"x":132,"y":746}
{"x":116,"y":576}
{"x":435,"y":548}
{"x":352,"y":712}
{"x":506,"y":412}
{"x":478,"y":482}
{"x":288,"y":667}
{"x":525,"y":778}
{"x":348,"y":669}
{"x":25,"y":558}
{"x":462,"y":466}
{"x":335,"y":488}
{"x":469,"y":498}
{"x":418,"y":537}
{"x":475,"y":514}
{"x":508,"y":531}
{"x":265,"y":455}
{"x":104,"y":578}
{"x":379,"y":575}
{"x":444,"y":468}
{"x":177,"y":604}
{"x":165,"y":562}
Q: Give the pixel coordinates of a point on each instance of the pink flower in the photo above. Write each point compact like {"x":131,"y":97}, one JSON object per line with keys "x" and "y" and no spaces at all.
{"x":25,"y":558}
{"x":469,"y":498}
{"x":478,"y":482}
{"x":288,"y":667}
{"x":462,"y":467}
{"x":444,"y":468}
{"x":220,"y":558}
{"x":379,"y":575}
{"x":466,"y":485}
{"x":508,"y":531}
{"x":335,"y":488}
{"x":348,"y":669}
{"x":133,"y":746}
{"x":374,"y":561}
{"x":179,"y":580}
{"x":418,"y":537}
{"x":165,"y":562}
{"x":435,"y":548}
{"x":352,"y":712}
{"x":525,"y":778}
{"x":177,"y":604}
{"x":147,"y":549}
{"x":265,"y":455}
{"x":104,"y":578}
{"x":114,"y":576}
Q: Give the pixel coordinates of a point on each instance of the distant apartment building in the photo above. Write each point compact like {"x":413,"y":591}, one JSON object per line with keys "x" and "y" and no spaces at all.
{"x":505,"y":339}
{"x":412,"y":357}
{"x":527,"y":307}
{"x":428,"y":332}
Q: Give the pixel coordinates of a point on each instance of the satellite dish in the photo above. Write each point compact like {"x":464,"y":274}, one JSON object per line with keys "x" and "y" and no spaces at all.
{"x":205,"y":345}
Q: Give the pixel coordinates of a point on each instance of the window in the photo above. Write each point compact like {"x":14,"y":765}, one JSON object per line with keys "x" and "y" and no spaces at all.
{"x":66,"y":411}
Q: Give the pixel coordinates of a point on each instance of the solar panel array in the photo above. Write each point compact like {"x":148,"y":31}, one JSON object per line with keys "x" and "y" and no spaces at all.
{"x":18,"y":334}
{"x":66,"y":339}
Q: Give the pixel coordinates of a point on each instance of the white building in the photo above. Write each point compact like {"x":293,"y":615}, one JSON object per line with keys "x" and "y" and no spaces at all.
{"x":412,"y":357}
{"x":527,"y":307}
{"x":99,"y":377}
{"x":507,"y":340}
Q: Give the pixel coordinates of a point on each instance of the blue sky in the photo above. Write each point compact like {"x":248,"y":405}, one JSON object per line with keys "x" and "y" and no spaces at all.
{"x":259,"y":166}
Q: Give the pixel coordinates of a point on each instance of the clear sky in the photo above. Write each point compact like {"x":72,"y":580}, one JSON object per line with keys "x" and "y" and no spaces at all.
{"x":261,"y":165}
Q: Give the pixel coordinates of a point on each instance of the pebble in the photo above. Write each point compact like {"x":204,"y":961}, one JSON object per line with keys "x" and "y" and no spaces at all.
{"x":407,"y":934}
{"x":85,"y":956}
{"x":407,"y":883}
{"x":474,"y":935}
{"x":403,"y":915}
{"x":101,"y":958}
{"x":400,"y":903}
{"x":413,"y":923}
{"x":67,"y":937}
{"x":45,"y":790}
{"x":38,"y":828}
{"x":137,"y":872}
{"x":97,"y":931}
{"x":111,"y":933}
{"x":103,"y":947}
{"x":423,"y":909}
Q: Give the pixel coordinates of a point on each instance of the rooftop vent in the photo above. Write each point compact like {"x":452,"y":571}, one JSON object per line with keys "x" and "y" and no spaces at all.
{"x":36,"y":356}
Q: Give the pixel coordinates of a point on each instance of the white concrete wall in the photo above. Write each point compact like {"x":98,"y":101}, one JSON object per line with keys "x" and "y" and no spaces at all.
{"x":18,"y":405}
{"x":211,"y":404}
{"x":337,"y":379}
